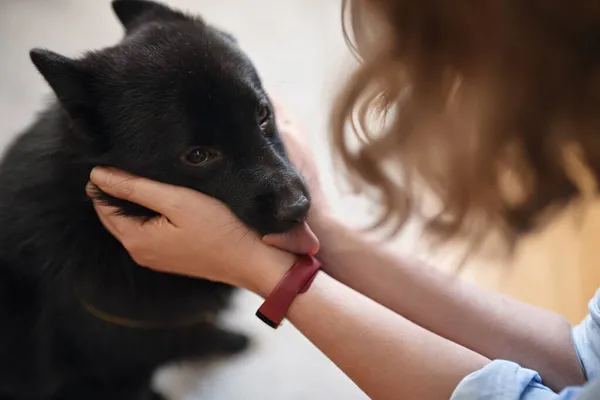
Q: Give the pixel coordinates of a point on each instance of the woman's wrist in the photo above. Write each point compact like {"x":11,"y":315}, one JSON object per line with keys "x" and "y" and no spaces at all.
{"x":267,"y":270}
{"x":322,"y":223}
{"x":333,"y":236}
{"x":269,"y":265}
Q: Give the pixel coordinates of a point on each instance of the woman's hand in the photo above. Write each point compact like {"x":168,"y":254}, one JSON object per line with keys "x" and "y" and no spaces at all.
{"x":195,"y":235}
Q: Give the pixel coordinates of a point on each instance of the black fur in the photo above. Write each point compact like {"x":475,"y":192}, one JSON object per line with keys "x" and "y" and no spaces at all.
{"x":172,"y":84}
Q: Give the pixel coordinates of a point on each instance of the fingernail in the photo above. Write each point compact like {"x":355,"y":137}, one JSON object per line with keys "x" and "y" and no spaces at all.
{"x":100,"y":175}
{"x":89,"y":189}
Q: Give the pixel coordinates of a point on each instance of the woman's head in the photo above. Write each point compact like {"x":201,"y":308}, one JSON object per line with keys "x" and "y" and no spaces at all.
{"x":479,"y":98}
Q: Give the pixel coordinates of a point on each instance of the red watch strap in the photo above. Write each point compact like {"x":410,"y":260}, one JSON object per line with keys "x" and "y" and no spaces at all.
{"x":297,"y":280}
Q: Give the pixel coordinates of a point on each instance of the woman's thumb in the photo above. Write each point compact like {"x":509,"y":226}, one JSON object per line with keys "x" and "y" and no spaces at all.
{"x":300,"y":240}
{"x":156,"y":196}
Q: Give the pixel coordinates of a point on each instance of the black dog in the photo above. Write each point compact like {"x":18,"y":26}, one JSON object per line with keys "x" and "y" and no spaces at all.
{"x":176,"y":101}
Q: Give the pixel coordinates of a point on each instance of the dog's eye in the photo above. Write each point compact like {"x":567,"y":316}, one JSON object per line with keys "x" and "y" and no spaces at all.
{"x":199,"y":156}
{"x":263,"y":116}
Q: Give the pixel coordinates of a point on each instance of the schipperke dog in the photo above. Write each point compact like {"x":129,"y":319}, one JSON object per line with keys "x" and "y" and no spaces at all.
{"x":176,"y":101}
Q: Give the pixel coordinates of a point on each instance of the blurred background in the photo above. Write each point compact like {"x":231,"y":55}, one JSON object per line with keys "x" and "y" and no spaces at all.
{"x":299,"y":51}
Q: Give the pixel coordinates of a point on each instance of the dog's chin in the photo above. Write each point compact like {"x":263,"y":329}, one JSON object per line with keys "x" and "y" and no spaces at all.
{"x":274,"y":227}
{"x":263,"y":226}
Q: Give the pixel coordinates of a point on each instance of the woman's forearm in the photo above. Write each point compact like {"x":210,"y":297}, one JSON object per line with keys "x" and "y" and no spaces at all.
{"x":387,"y":356}
{"x":488,"y":323}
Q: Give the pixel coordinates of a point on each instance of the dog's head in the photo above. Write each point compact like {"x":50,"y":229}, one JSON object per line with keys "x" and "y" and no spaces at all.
{"x":177,"y":101}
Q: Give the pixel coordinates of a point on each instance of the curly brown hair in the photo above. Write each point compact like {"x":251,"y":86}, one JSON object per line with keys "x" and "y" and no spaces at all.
{"x":471,"y":98}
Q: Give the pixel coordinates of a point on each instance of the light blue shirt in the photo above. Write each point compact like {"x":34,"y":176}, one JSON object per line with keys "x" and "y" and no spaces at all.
{"x":506,"y":380}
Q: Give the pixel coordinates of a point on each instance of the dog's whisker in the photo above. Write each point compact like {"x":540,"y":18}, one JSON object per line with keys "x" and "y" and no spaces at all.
{"x":232,"y":222}
{"x":244,"y":236}
{"x":237,"y":228}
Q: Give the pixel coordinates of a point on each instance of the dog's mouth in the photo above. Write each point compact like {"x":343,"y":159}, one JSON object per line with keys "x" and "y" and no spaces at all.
{"x":298,"y":240}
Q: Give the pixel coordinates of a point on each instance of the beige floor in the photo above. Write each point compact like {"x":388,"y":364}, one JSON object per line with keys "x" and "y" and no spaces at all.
{"x":298,"y":49}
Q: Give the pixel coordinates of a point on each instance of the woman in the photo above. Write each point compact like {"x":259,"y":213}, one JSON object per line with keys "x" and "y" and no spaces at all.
{"x":474,"y":94}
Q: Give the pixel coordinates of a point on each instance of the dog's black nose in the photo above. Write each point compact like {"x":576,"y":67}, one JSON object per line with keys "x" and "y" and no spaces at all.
{"x":294,"y":210}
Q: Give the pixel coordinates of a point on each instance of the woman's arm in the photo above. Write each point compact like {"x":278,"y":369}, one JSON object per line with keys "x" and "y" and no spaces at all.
{"x":387,"y":356}
{"x":488,"y":323}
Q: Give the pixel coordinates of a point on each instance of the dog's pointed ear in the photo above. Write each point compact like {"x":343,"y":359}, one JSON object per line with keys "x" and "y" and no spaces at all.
{"x":132,"y":13}
{"x":70,"y":81}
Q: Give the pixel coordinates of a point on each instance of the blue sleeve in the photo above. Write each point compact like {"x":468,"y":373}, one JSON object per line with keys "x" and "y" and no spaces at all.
{"x":586,"y":337}
{"x":508,"y":381}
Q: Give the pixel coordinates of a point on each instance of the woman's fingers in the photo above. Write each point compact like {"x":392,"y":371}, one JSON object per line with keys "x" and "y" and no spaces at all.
{"x":160,"y":197}
{"x":118,"y":226}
